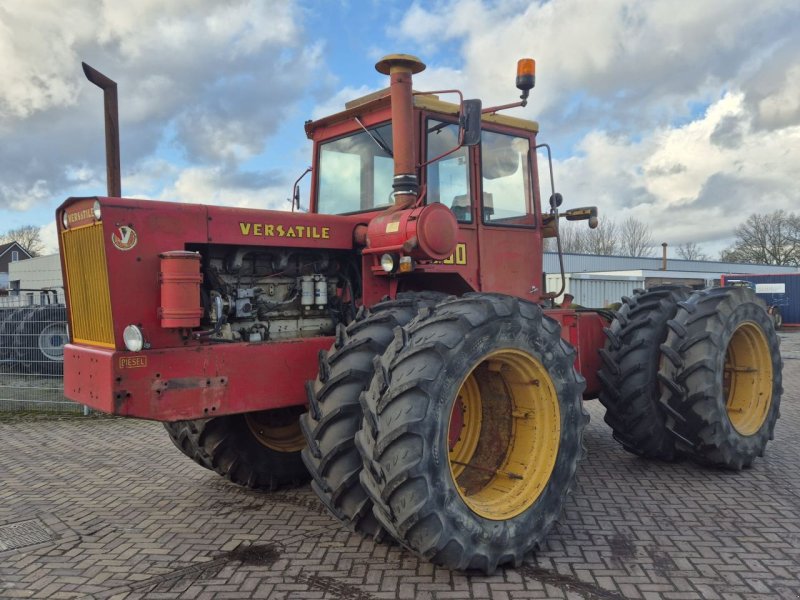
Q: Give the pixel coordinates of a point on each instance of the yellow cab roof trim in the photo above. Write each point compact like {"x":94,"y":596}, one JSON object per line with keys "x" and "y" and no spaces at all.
{"x":433,"y":104}
{"x":429,"y":102}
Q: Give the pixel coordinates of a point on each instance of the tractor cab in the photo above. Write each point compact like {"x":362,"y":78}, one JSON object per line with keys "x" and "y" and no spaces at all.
{"x":482,"y":168}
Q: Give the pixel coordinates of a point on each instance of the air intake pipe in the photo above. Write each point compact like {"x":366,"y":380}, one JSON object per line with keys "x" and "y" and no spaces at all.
{"x":400,"y":68}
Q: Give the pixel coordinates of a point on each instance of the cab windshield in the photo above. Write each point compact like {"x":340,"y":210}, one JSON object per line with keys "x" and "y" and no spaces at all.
{"x":356,"y":172}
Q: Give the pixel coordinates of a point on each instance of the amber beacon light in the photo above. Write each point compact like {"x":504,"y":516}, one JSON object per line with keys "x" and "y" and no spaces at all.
{"x":526,"y":74}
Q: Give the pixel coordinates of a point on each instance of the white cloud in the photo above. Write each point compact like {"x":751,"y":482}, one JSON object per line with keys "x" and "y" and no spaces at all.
{"x":211,"y":185}
{"x":685,"y":116}
{"x":783,"y":107}
{"x":650,"y":55}
{"x":209,"y":81}
{"x":49,"y":236}
{"x":336,"y":103}
{"x":681,"y":182}
{"x":38,"y":44}
{"x":25,"y":196}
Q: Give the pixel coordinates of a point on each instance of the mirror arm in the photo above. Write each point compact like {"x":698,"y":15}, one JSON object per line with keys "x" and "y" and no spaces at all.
{"x":522,"y":103}
{"x":494,"y":109}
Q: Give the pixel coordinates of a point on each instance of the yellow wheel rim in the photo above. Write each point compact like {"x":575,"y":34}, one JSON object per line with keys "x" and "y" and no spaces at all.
{"x":504,"y":433}
{"x":747,"y":378}
{"x":464,"y":439}
{"x":277,"y":429}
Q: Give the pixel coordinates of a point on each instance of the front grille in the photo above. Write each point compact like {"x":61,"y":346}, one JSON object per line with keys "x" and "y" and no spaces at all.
{"x":87,"y":282}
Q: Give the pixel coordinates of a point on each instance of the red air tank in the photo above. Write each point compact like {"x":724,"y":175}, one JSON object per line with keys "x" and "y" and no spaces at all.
{"x":180,"y":289}
{"x":428,"y":232}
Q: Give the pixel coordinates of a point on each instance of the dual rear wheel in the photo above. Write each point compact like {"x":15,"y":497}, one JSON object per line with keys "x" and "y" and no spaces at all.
{"x":695,"y":375}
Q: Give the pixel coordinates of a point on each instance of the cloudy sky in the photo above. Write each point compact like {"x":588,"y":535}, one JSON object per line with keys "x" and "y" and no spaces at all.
{"x":683,"y":114}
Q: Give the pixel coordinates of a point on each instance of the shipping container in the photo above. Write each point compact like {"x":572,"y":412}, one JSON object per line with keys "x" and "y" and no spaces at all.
{"x":781,"y":291}
{"x":594,"y":291}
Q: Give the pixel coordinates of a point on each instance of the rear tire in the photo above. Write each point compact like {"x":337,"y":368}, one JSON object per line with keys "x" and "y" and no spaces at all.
{"x":185,"y":435}
{"x":721,"y":370}
{"x":629,"y":375}
{"x":472,"y":431}
{"x":335,"y":415}
{"x":258,"y":450}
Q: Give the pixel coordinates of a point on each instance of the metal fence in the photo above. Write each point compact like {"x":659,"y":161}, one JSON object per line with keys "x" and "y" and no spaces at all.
{"x":33,"y":331}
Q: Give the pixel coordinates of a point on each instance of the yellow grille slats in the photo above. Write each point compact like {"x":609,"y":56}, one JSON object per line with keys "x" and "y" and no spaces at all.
{"x":87,"y":281}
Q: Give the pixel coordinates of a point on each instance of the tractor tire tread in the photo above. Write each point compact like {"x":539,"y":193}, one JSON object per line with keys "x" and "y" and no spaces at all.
{"x":408,"y":495}
{"x":693,"y":396}
{"x":335,"y":413}
{"x":630,"y":388}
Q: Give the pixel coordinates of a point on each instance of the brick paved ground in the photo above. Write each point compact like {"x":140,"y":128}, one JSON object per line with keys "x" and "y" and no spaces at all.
{"x":109,"y":509}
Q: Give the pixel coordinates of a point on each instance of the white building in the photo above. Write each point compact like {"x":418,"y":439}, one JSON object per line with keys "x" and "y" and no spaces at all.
{"x":31,"y":281}
{"x":597,"y":281}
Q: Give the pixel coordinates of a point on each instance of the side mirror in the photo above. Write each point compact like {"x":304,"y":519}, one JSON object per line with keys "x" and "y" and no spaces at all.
{"x":556,"y":200}
{"x":585,"y":213}
{"x":470,"y":123}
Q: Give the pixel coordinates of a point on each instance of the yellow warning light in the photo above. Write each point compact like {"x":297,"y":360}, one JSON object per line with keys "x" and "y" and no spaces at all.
{"x":406,"y":265}
{"x":526,"y":66}
{"x":526,"y":75}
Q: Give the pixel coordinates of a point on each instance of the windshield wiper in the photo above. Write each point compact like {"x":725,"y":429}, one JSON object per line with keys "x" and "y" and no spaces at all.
{"x":378,"y":140}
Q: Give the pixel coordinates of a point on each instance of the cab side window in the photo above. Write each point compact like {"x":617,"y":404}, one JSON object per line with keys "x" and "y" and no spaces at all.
{"x":506,"y":179}
{"x":448,"y":178}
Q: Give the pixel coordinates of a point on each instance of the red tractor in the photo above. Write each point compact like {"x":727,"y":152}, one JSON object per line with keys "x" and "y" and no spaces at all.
{"x":392,"y":343}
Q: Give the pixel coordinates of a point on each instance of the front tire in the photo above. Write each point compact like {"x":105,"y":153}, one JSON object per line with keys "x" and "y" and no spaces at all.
{"x":334,"y":415}
{"x":721,"y":370}
{"x":185,"y":436}
{"x":472,"y":431}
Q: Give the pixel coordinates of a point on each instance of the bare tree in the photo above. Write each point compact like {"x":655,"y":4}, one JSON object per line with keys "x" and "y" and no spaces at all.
{"x":635,"y":238}
{"x":603,"y":240}
{"x":772,"y":239}
{"x":630,"y":238}
{"x":692,"y":251}
{"x":27,"y":236}
{"x":573,"y":238}
{"x":577,"y":238}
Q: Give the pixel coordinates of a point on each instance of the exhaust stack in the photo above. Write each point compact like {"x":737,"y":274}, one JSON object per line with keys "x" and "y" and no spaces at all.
{"x":109,"y":87}
{"x":400,"y":68}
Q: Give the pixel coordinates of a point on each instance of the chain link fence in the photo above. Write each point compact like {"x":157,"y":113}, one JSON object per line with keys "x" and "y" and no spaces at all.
{"x":33,"y":332}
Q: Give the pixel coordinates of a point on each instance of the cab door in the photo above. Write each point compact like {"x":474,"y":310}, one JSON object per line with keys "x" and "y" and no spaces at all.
{"x":449,"y":180}
{"x":509,"y":240}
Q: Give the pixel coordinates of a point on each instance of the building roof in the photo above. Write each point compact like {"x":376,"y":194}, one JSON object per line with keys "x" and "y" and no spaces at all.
{"x":7,"y":246}
{"x":589,"y":263}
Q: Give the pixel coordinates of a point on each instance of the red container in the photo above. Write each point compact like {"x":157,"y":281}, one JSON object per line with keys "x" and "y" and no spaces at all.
{"x":180,"y":279}
{"x":427,"y":232}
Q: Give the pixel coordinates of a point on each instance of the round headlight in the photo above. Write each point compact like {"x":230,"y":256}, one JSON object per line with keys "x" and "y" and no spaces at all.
{"x":64,"y":220}
{"x":96,"y":209}
{"x":133,"y":338}
{"x":387,"y":263}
